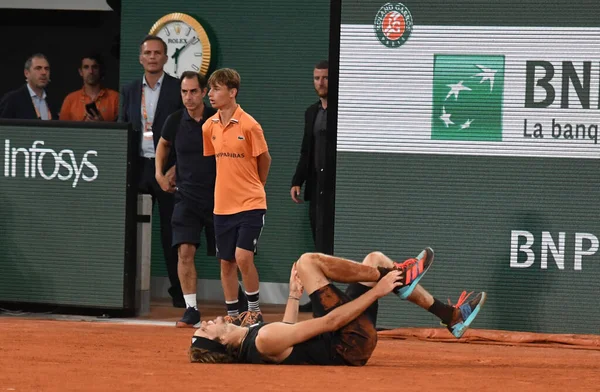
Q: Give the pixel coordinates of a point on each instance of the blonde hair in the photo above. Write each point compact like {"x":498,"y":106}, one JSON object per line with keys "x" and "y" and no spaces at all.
{"x":227,"y":77}
{"x":201,"y":355}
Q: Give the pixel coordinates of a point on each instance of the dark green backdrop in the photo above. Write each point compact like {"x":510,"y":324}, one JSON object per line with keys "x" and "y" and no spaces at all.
{"x":274,"y":46}
{"x":60,"y":243}
{"x":465,"y":207}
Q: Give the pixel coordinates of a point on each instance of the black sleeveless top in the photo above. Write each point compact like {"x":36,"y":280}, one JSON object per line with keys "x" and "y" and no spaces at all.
{"x":319,"y":350}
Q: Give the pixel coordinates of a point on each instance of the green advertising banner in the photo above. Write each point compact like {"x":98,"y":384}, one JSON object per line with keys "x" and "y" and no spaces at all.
{"x":473,"y":128}
{"x":65,"y":230}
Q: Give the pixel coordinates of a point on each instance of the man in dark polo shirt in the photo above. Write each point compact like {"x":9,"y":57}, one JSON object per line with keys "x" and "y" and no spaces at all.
{"x":194,"y":188}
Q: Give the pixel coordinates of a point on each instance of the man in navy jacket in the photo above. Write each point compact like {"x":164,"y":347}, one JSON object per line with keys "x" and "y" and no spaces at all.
{"x":146,"y":103}
{"x":29,"y":101}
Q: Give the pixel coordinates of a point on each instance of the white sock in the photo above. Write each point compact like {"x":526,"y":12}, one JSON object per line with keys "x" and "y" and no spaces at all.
{"x":233,"y":309}
{"x":253,"y":301}
{"x":190,"y":301}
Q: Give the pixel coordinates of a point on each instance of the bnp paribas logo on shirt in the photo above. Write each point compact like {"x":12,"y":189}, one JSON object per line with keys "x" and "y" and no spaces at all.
{"x":467,"y":97}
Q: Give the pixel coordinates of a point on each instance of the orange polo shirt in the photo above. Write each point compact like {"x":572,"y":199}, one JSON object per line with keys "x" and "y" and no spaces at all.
{"x":236,"y":146}
{"x":73,"y":107}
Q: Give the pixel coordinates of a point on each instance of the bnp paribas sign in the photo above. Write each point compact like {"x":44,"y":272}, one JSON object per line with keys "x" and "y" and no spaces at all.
{"x":468,"y":94}
{"x":457,"y":85}
{"x":50,"y":163}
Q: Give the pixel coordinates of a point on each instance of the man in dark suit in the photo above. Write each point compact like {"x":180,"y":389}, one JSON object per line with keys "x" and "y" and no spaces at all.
{"x":29,"y":101}
{"x":312,"y":167}
{"x":146,"y":104}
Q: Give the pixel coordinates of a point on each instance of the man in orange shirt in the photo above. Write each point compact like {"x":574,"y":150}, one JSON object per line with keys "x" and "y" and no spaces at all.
{"x":93,"y":102}
{"x":243,"y":161}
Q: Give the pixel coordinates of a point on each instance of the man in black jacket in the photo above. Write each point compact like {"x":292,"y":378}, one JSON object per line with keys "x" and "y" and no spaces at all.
{"x":146,"y":104}
{"x":312,"y":166}
{"x":29,"y":102}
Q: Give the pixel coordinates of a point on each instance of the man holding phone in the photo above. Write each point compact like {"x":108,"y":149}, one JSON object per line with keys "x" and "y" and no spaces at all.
{"x":93,"y":102}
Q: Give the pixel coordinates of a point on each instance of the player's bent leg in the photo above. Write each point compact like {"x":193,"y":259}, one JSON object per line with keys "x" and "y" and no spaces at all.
{"x":355,"y":290}
{"x":376,"y":259}
{"x":311,"y":273}
{"x":457,"y":317}
{"x":418,"y":295}
{"x":421,"y":297}
{"x":413,"y":269}
{"x":317,"y":269}
{"x":359,"y":338}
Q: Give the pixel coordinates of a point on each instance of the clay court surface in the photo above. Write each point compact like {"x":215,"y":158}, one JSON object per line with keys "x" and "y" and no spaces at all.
{"x":50,"y":355}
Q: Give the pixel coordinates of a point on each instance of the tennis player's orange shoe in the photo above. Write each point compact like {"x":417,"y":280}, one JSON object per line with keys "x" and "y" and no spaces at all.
{"x":413,"y":270}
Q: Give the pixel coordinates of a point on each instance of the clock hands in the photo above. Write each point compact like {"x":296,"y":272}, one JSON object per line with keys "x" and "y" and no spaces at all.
{"x":175,"y":57}
{"x":177,"y":52}
{"x":192,"y":42}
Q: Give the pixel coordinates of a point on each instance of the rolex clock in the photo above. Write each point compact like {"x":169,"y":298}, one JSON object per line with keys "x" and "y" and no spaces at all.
{"x":188,"y":47}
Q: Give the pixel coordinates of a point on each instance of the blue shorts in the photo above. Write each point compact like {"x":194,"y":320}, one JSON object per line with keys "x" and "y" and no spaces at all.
{"x":241,"y":230}
{"x":187,"y":223}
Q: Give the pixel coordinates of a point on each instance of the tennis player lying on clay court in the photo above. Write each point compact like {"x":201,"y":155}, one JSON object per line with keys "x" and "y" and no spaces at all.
{"x":342,"y":331}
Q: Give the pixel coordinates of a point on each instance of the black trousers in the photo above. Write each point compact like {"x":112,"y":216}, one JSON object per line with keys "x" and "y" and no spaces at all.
{"x":319,"y":215}
{"x":147,"y":184}
{"x":316,"y":202}
{"x":312,"y":215}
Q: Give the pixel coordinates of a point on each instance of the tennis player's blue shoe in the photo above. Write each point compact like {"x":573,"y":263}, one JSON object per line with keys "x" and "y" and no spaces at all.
{"x":465,"y":312}
{"x":414,"y":269}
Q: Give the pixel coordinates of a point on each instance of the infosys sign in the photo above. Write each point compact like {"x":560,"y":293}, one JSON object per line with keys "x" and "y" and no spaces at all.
{"x":45,"y":162}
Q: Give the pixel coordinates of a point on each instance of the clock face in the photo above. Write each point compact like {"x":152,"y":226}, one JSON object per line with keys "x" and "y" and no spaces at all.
{"x":188,"y":48}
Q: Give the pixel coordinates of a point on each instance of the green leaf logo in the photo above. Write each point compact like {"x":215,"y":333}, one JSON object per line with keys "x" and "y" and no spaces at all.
{"x":467,"y":97}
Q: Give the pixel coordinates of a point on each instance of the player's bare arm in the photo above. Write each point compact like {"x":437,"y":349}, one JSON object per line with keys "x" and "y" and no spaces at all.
{"x":275,"y":341}
{"x":296,"y":289}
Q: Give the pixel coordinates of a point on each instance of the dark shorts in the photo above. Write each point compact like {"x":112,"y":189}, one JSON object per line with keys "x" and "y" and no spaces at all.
{"x":187,"y":223}
{"x":356,"y":341}
{"x":241,"y":230}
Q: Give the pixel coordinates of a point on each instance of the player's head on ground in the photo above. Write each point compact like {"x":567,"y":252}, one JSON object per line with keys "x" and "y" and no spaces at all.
{"x":216,"y":342}
{"x":224,"y":86}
